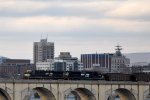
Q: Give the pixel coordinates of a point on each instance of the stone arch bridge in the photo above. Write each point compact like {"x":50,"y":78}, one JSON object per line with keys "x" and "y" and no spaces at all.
{"x":81,"y":90}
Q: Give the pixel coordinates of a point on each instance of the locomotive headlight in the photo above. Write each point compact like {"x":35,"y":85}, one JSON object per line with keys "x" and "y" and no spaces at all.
{"x":27,"y":75}
{"x":82,"y":74}
{"x":87,"y":75}
{"x":46,"y":73}
{"x":50,"y":74}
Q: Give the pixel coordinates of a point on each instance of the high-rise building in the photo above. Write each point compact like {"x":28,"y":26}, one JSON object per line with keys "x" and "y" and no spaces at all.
{"x":43,"y":50}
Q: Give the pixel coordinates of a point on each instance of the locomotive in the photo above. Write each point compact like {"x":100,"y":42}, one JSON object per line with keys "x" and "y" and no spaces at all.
{"x":66,"y":75}
{"x":86,"y":75}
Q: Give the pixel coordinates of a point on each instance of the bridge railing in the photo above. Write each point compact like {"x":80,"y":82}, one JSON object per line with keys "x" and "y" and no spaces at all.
{"x":24,"y":81}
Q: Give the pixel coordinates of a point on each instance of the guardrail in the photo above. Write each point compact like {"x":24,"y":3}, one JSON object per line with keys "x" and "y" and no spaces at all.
{"x":102,"y":82}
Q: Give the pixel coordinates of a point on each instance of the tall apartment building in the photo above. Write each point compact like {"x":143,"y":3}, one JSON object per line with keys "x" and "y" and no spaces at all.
{"x":43,"y":50}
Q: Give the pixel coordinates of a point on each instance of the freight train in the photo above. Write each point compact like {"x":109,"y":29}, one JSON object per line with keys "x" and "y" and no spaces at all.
{"x":67,"y":75}
{"x":86,"y":75}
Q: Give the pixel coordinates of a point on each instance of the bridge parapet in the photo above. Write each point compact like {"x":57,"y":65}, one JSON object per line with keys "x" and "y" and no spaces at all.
{"x":75,"y":82}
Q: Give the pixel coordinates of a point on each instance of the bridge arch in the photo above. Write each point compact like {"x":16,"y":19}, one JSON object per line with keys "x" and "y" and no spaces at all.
{"x":41,"y":92}
{"x":4,"y":95}
{"x":146,"y":95}
{"x":80,"y":94}
{"x":122,"y":94}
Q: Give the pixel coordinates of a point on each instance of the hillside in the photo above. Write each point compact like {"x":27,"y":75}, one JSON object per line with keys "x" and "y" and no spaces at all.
{"x":139,"y":57}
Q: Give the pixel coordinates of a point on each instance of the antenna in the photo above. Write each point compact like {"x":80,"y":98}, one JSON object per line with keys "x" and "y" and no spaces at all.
{"x":41,"y":36}
{"x":118,"y":48}
{"x":47,"y":37}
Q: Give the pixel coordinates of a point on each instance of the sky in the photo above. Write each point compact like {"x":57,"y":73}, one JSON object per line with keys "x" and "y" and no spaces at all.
{"x":76,"y":26}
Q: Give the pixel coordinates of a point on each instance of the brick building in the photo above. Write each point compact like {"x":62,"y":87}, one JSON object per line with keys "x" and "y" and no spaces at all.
{"x":15,"y":68}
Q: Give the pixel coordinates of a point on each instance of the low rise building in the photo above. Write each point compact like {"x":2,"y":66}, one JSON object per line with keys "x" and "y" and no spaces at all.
{"x":119,"y":63}
{"x":2,"y":59}
{"x":69,"y":63}
{"x":15,"y":68}
{"x":80,"y":66}
{"x":16,"y":62}
{"x":46,"y":65}
{"x":65,"y":62}
{"x":99,"y":62}
{"x":141,"y":68}
{"x":107,"y":62}
{"x":65,"y":55}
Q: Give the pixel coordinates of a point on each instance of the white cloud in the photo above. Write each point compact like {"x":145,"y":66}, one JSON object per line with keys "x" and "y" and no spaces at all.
{"x":22,"y":6}
{"x":116,"y":9}
{"x":40,"y":24}
{"x":131,"y":9}
{"x":53,"y":25}
{"x":130,"y":26}
{"x":55,"y":8}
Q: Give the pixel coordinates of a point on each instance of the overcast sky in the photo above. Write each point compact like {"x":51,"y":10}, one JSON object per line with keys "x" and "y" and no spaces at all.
{"x":77,"y":26}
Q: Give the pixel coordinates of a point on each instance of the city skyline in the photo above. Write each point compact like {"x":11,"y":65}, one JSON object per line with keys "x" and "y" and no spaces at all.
{"x":74,"y":26}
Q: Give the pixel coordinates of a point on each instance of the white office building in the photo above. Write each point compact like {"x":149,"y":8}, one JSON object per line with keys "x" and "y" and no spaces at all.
{"x":80,"y":66}
{"x":65,"y":62}
{"x":119,"y":63}
{"x":46,"y":65}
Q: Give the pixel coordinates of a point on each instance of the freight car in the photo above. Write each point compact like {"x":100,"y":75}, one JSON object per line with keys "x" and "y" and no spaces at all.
{"x":117,"y":77}
{"x":134,"y":77}
{"x":140,"y":77}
